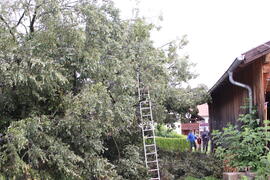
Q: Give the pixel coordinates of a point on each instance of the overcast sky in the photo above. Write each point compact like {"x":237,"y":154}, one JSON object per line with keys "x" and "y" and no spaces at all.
{"x":218,"y":30}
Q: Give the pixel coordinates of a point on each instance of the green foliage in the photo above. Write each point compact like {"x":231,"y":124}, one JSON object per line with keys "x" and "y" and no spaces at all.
{"x":264,"y":170}
{"x":172,"y":144}
{"x":162,"y":131}
{"x":169,"y":140}
{"x":180,"y":165}
{"x":131,"y":159}
{"x":244,"y":146}
{"x":181,"y":101}
{"x":68,"y":89}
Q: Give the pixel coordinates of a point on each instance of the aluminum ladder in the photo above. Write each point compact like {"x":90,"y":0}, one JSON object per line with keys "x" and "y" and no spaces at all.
{"x":148,"y":132}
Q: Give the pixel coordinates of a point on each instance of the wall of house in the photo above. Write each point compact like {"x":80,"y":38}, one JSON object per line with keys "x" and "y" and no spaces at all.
{"x":227,"y":99}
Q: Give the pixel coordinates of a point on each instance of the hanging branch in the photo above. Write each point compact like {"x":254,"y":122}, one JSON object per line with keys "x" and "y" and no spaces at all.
{"x":10,"y":29}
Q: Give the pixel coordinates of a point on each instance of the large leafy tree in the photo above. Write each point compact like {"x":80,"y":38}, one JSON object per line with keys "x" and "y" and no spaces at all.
{"x":68,"y":89}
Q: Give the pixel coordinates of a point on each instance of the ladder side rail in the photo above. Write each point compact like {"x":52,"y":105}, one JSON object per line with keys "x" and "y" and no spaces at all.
{"x":148,"y":125}
{"x":154,"y":139}
{"x":156,"y":155}
{"x":144,"y":147}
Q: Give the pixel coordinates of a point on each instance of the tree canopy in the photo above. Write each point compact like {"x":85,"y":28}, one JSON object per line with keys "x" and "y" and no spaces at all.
{"x":68,"y":89}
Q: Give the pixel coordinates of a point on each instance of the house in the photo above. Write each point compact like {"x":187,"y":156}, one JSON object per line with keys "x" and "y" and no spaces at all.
{"x":201,"y":122}
{"x":187,"y":127}
{"x":246,"y":82}
{"x":203,"y":112}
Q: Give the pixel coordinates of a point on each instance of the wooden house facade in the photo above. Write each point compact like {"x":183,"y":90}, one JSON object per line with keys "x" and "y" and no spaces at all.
{"x":252,"y":70}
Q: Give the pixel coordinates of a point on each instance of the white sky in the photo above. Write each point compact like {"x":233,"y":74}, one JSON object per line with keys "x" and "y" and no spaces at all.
{"x":218,"y":30}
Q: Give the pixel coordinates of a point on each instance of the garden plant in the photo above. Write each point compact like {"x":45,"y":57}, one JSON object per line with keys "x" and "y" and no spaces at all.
{"x":246,"y":145}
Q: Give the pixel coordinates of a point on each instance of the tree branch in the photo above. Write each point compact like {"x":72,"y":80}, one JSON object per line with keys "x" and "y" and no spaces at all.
{"x":112,"y":99}
{"x":109,"y":92}
{"x":10,"y":30}
{"x":33,"y":21}
{"x":19,"y":22}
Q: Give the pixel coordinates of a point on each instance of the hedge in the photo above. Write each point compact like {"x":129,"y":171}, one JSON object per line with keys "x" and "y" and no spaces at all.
{"x":163,"y":131}
{"x":172,"y":144}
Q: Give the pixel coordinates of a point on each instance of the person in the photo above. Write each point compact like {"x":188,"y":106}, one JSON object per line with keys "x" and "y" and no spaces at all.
{"x":192,"y":140}
{"x":205,"y":139}
{"x":199,"y":142}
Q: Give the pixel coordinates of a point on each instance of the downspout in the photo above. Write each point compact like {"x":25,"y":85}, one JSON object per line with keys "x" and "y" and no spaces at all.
{"x":230,"y":72}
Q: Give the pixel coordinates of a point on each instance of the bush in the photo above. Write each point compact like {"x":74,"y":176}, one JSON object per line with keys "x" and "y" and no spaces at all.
{"x":174,"y":134}
{"x":181,"y":165}
{"x":245,"y":146}
{"x":130,"y":166}
{"x":172,"y":144}
{"x":163,"y":131}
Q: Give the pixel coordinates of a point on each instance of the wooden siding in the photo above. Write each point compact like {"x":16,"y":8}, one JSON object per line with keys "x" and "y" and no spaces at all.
{"x":227,"y":99}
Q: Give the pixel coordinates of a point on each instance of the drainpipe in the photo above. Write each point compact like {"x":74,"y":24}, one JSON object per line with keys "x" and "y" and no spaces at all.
{"x":230,"y":72}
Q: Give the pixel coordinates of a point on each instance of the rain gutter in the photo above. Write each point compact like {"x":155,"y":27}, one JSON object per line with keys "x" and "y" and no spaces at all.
{"x":229,"y":73}
{"x":233,"y":66}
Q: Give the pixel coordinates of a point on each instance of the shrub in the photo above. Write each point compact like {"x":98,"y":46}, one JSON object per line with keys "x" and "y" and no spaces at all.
{"x":130,"y":165}
{"x":163,"y":131}
{"x":181,"y":165}
{"x":243,"y":147}
{"x":172,"y":144}
{"x":174,"y":134}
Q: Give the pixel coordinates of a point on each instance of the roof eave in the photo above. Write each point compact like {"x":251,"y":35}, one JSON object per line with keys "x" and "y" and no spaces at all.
{"x":232,"y":67}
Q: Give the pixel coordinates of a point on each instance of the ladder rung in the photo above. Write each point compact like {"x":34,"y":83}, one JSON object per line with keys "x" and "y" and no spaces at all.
{"x":155,"y":178}
{"x":150,"y":129}
{"x":143,"y":94}
{"x":148,"y":137}
{"x":147,"y":123}
{"x":152,"y":153}
{"x":153,"y":170}
{"x":144,"y":101}
{"x":148,"y":145}
{"x":146,"y":115}
{"x":144,"y":108}
{"x":146,"y":96}
{"x":143,"y":89}
{"x":152,"y":161}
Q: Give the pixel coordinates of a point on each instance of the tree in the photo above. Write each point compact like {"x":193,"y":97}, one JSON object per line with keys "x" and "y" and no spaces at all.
{"x":68,"y":89}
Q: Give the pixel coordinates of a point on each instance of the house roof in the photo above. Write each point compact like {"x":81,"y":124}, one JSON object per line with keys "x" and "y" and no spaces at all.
{"x":190,"y":126}
{"x":249,"y":56}
{"x":203,"y":110}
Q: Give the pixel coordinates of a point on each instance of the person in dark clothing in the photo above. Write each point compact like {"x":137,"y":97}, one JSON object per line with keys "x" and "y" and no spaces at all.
{"x":205,"y":140}
{"x":192,"y":140}
{"x":199,"y":142}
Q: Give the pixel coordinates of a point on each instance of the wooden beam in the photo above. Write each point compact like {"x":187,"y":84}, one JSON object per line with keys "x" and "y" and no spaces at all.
{"x":267,"y":58}
{"x":266,"y":68}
